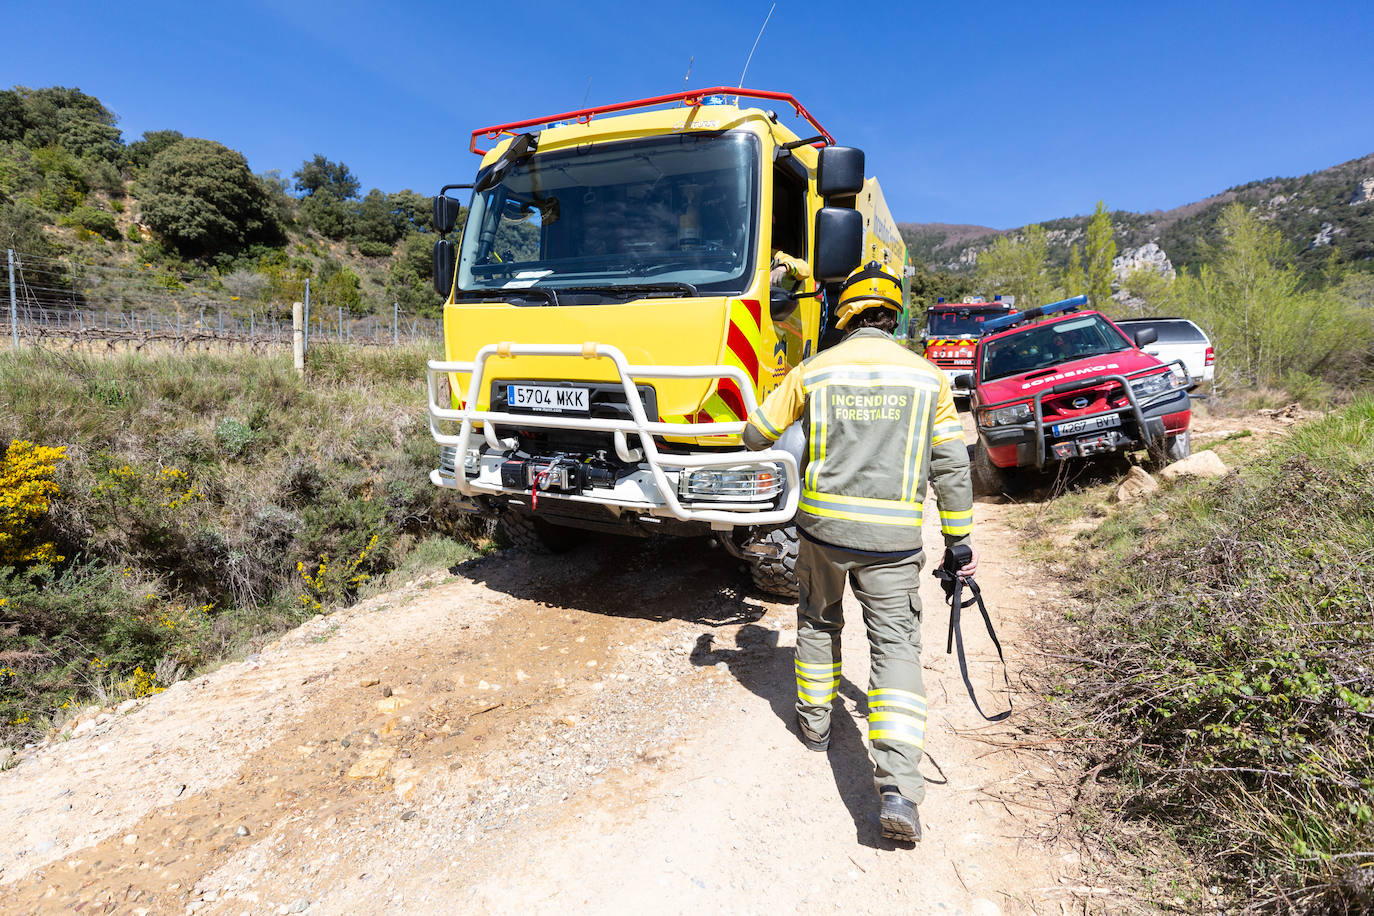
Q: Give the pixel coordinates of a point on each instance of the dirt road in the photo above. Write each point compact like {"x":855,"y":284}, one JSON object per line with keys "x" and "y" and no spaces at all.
{"x":607,"y":731}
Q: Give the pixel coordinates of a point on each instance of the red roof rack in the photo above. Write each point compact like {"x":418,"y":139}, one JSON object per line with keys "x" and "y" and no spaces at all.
{"x":691,"y":97}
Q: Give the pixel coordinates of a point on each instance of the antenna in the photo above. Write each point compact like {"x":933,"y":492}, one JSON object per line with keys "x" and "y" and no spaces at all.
{"x":587,"y":93}
{"x":740,"y":84}
{"x":691,"y":60}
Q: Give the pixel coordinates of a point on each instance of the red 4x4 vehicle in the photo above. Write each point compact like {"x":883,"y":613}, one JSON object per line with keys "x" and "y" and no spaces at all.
{"x":1052,"y":385}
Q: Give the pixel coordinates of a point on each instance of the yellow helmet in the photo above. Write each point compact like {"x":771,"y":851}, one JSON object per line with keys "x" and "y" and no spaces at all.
{"x":869,"y":286}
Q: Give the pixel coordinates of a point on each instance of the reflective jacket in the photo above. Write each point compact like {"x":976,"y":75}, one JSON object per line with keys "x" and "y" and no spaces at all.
{"x":880,"y":422}
{"x":797,"y":270}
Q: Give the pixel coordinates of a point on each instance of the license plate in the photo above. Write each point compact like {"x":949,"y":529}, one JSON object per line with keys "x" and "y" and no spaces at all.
{"x":1092,"y":424}
{"x":548,"y":398}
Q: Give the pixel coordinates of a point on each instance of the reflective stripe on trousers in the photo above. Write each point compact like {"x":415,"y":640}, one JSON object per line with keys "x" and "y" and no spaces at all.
{"x":896,"y":717}
{"x":817,"y":684}
{"x":886,"y":589}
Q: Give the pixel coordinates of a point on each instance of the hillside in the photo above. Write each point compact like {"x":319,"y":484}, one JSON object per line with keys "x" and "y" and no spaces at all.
{"x":168,"y":222}
{"x":1332,"y":209}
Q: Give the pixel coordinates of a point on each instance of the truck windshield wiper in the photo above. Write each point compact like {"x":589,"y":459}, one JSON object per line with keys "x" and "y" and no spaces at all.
{"x":523,"y":292}
{"x":635,"y":290}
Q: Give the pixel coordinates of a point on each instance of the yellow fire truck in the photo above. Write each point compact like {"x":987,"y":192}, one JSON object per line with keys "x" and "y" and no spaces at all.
{"x":609,"y":320}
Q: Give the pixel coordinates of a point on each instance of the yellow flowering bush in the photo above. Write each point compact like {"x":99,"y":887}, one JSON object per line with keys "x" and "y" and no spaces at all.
{"x":331,"y":582}
{"x":26,"y":488}
{"x":135,"y":488}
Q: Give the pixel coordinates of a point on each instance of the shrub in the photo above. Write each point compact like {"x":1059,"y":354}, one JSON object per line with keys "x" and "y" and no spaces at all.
{"x":26,"y":488}
{"x":189,"y":539}
{"x":92,"y":220}
{"x":1227,"y":671}
{"x":233,"y":436}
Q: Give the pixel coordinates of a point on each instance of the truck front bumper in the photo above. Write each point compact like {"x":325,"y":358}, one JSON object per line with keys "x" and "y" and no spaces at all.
{"x":1141,"y":424}
{"x":476,"y":463}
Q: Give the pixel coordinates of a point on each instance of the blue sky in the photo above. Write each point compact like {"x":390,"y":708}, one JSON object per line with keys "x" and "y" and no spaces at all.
{"x":992,"y":113}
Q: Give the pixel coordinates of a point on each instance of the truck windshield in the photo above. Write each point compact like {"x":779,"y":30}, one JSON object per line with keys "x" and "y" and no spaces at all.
{"x":664,"y":212}
{"x":1048,"y":344}
{"x":960,"y":322}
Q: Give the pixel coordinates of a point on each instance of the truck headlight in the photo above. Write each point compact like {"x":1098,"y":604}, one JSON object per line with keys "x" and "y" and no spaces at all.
{"x":448,"y":459}
{"x":731,"y":484}
{"x":1154,"y":385}
{"x":1007,"y":416}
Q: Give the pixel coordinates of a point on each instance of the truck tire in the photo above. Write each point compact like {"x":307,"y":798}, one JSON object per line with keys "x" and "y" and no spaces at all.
{"x":777,"y":575}
{"x":989,"y":479}
{"x":523,"y":531}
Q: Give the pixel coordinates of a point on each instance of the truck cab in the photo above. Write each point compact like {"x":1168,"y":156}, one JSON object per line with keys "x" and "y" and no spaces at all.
{"x":951,"y":334}
{"x":609,"y":321}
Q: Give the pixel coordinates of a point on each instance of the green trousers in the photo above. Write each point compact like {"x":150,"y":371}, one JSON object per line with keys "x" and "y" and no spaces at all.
{"x":887,"y":590}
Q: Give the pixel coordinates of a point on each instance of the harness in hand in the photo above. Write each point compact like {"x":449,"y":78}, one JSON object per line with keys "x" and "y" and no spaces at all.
{"x":953,"y":584}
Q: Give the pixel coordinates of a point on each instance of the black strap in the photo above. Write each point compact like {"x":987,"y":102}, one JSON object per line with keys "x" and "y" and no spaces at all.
{"x":954,"y":585}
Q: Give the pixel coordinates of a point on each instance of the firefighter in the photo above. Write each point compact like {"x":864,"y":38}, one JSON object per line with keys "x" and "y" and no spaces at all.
{"x":880,"y":420}
{"x":787,"y":272}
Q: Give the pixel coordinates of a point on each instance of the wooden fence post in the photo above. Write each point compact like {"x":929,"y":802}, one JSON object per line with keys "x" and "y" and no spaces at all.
{"x":298,"y":335}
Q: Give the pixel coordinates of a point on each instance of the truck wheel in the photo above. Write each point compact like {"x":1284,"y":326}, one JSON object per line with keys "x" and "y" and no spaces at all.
{"x":524,"y":531}
{"x":777,"y":575}
{"x":989,"y":479}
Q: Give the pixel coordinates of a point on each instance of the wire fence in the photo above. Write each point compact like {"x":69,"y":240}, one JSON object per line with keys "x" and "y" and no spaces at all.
{"x":50,"y":301}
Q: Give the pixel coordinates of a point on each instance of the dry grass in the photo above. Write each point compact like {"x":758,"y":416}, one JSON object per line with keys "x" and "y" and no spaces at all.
{"x":207,"y":502}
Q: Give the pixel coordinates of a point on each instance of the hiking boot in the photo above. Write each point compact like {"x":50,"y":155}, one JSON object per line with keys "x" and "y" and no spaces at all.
{"x":812,"y":740}
{"x":898,"y":817}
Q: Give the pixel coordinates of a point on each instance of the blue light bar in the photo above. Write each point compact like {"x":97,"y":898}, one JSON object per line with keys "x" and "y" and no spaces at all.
{"x":1006,"y":321}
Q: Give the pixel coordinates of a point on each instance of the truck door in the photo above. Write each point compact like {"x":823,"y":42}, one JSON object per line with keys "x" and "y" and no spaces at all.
{"x":796,"y":333}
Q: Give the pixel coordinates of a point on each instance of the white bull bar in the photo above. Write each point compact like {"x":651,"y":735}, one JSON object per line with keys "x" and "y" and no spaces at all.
{"x":647,"y":454}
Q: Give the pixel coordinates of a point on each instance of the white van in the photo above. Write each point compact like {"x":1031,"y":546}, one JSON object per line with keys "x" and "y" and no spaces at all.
{"x":1179,"y":339}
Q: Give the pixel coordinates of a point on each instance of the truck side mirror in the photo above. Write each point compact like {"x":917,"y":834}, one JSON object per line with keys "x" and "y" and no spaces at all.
{"x":781,"y":304}
{"x":520,"y":149}
{"x":839,"y":243}
{"x":1146,"y":336}
{"x":445,"y":262}
{"x":446,"y":211}
{"x":841,"y":172}
{"x":964,"y":380}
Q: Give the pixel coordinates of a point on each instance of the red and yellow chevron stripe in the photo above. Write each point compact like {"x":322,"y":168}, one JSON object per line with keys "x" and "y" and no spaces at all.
{"x":743,"y":343}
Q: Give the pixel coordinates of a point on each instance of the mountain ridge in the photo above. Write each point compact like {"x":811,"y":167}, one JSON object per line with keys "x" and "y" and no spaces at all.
{"x":1331,"y":208}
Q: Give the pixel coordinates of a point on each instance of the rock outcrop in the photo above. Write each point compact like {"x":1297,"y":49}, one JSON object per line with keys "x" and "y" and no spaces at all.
{"x":1364,"y":192}
{"x":1147,"y":257}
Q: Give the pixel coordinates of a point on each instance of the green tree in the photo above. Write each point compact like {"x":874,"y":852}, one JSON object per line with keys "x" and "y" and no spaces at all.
{"x":1074,"y":280}
{"x":1019,"y":267}
{"x":410,"y":279}
{"x":63,"y":179}
{"x":13,"y":118}
{"x":1099,"y":251}
{"x":327,"y":215}
{"x":142,"y":152}
{"x":320,"y":176}
{"x":415,"y":211}
{"x":1267,"y":327}
{"x":342,"y":288}
{"x":376,"y":225}
{"x":1149,"y":292}
{"x":21,"y":228}
{"x":202,"y":198}
{"x":58,"y":116}
{"x":278,"y":190}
